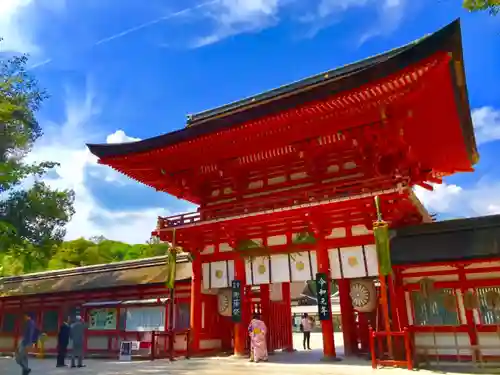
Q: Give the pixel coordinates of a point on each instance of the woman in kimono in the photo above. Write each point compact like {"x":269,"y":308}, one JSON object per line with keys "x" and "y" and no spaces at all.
{"x":258,"y":345}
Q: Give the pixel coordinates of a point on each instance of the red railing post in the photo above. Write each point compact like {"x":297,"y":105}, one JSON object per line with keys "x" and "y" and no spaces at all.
{"x":153,"y":345}
{"x":372,"y":346}
{"x":188,"y":344}
{"x":171,"y":344}
{"x":408,"y":348}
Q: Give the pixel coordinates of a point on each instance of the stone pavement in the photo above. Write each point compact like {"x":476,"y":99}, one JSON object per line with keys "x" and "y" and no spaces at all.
{"x":296,"y":363}
{"x":280,"y":364}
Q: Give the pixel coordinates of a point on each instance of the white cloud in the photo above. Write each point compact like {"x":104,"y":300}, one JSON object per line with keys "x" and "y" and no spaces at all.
{"x":65,"y":143}
{"x":19,"y":20}
{"x":240,"y":16}
{"x":15,"y":34}
{"x":481,"y":199}
{"x":455,"y":201}
{"x":486,"y":124}
{"x":328,"y":12}
{"x":442,"y":199}
{"x":391,"y":13}
{"x":119,"y":136}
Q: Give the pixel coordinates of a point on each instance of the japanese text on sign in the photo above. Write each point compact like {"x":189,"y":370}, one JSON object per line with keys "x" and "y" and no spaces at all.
{"x":323,"y":300}
{"x":236,"y":300}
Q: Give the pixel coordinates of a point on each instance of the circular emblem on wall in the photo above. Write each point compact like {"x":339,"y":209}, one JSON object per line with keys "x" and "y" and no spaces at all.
{"x":261,"y":269}
{"x":219,"y":274}
{"x":363,"y":295}
{"x":300,"y":266}
{"x":353,"y":261}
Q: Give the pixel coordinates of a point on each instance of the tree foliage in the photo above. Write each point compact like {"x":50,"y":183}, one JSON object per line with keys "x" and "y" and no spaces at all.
{"x":32,"y":216}
{"x":492,"y":6}
{"x":76,"y":253}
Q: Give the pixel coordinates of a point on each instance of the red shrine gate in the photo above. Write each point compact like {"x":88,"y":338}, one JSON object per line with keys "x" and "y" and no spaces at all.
{"x":285,"y":180}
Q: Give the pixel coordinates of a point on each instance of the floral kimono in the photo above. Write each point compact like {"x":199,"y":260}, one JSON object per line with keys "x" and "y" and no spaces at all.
{"x":258,"y":345}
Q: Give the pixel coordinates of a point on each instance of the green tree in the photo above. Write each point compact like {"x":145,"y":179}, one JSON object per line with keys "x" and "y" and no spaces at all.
{"x":32,"y":220}
{"x":492,"y":6}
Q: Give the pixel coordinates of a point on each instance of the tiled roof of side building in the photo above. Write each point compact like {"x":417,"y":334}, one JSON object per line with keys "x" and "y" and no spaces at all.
{"x":448,"y":241}
{"x":127,"y":273}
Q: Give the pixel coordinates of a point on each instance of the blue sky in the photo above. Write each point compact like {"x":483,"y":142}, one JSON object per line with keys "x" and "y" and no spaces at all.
{"x":118,"y":70}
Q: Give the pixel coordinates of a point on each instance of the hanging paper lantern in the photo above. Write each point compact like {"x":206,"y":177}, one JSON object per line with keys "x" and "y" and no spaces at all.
{"x":492,"y":298}
{"x":426,"y":287}
{"x":449,"y":302}
{"x":470,"y":301}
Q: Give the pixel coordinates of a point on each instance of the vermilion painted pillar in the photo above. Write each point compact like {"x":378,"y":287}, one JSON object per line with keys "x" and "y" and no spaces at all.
{"x":240,"y":329}
{"x":196,"y":305}
{"x":287,"y":300}
{"x":347,"y":317}
{"x":265,"y":304}
{"x":326,"y":325}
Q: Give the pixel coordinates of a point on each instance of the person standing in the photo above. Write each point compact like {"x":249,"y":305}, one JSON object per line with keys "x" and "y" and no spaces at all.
{"x":307,"y":326}
{"x":258,"y":345}
{"x":62,"y":343}
{"x":77,"y":335}
{"x":27,"y":341}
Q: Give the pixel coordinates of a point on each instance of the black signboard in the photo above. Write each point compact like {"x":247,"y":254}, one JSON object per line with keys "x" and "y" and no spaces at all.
{"x":323,"y":300}
{"x":236,"y":300}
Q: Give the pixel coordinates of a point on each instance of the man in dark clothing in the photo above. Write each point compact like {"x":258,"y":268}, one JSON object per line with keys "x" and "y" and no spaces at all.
{"x":26,"y":342}
{"x":62,"y":343}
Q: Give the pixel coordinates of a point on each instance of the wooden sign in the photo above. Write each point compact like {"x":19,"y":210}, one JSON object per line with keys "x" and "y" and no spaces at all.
{"x":236,"y":301}
{"x":324,"y":308}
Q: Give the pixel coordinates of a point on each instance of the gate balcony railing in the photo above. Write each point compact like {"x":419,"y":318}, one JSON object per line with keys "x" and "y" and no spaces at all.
{"x":178,"y":220}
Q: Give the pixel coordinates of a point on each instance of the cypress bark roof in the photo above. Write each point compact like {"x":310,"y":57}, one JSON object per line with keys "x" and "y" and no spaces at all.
{"x":310,"y":89}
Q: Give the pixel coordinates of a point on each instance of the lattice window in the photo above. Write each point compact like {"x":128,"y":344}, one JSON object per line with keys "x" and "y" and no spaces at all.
{"x":488,"y":316}
{"x":122,"y":320}
{"x":183,"y":314}
{"x":432,"y":311}
{"x":8,"y":323}
{"x":50,"y":321}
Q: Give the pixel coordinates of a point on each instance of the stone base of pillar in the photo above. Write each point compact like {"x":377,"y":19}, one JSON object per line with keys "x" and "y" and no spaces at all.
{"x":330,"y":359}
{"x":240,"y":356}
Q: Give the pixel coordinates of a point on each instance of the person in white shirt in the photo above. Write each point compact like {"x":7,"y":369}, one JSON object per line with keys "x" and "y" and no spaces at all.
{"x":307,"y":326}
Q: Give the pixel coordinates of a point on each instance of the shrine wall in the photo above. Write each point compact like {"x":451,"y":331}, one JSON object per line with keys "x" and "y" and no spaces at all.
{"x":456,"y":329}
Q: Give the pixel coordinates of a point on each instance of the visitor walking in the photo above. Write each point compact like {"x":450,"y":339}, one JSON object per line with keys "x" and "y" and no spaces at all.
{"x":307,"y":326}
{"x":77,"y":334}
{"x":62,"y":343}
{"x":29,"y":338}
{"x":258,"y":345}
